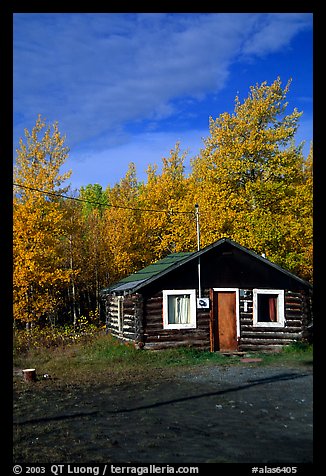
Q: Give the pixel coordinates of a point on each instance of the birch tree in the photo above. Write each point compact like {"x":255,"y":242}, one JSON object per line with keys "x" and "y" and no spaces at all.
{"x":39,"y":270}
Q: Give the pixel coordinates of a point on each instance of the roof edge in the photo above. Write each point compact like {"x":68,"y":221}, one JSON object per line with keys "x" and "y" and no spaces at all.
{"x":195,"y":254}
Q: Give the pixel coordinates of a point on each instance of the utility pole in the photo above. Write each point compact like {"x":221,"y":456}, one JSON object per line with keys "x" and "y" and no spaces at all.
{"x":198,"y":247}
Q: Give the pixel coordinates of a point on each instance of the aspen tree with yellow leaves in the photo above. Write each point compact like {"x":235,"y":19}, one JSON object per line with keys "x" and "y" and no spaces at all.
{"x":97,"y":267}
{"x":251,"y":181}
{"x":250,"y":178}
{"x":125,"y":234}
{"x":39,"y":271}
{"x":175,"y":230}
{"x":71,"y":247}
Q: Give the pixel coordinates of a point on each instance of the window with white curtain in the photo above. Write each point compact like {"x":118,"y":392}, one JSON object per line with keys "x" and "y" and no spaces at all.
{"x":179,"y":308}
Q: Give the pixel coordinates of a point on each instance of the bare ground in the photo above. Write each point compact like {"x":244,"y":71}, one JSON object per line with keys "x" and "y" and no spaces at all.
{"x":233,"y":414}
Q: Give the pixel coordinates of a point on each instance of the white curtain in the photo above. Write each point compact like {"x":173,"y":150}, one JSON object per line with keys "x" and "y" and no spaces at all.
{"x":179,"y":309}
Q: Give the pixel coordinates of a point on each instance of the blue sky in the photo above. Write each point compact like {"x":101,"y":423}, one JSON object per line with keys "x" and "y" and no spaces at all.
{"x":126,"y":87}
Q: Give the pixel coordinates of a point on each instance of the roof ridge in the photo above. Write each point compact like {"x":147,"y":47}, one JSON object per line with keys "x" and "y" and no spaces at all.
{"x":162,"y":266}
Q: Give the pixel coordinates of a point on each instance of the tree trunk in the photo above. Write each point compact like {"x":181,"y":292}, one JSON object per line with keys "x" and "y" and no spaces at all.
{"x":29,"y":375}
{"x":73,"y":290}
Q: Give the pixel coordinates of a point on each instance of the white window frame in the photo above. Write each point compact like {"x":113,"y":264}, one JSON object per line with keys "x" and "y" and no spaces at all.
{"x":174,"y":292}
{"x":280,"y":308}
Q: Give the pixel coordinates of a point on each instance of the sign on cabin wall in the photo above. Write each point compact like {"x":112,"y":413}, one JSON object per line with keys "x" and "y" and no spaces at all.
{"x":202,"y":303}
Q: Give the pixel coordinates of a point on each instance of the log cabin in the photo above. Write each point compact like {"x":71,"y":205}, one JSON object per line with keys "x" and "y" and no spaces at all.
{"x":223,"y":297}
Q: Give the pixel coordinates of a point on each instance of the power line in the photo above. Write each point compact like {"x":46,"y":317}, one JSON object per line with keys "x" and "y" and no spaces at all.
{"x":59,"y":195}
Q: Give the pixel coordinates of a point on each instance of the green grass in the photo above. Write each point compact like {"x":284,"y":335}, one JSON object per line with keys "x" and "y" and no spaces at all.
{"x":104,"y":357}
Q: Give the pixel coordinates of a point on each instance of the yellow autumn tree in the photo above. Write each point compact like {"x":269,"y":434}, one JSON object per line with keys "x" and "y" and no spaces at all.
{"x":72,"y":251}
{"x":172,"y":228}
{"x":96,"y":268}
{"x":124,"y":231}
{"x":39,"y":269}
{"x":250,"y":175}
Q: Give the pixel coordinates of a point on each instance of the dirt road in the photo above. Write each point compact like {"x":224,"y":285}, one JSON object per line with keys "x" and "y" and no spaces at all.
{"x":246,"y":414}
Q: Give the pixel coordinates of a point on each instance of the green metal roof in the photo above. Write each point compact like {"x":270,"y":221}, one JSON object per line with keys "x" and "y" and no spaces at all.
{"x":155,"y":270}
{"x":149,"y":272}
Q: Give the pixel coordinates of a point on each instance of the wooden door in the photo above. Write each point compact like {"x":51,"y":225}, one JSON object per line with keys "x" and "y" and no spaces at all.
{"x":224,"y":325}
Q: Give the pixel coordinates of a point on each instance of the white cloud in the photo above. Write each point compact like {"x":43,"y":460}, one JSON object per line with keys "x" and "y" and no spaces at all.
{"x":109,"y":165}
{"x":275,"y":32}
{"x":98,"y":73}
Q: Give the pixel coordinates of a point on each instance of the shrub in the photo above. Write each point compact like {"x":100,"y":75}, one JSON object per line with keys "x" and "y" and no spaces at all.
{"x":48,"y":336}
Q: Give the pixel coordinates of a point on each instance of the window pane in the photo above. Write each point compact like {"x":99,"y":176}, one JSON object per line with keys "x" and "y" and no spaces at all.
{"x":179,"y":309}
{"x":267,"y":308}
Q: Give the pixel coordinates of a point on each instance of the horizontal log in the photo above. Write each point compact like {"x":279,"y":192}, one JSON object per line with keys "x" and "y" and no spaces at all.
{"x":124,"y":338}
{"x":246,"y":322}
{"x":255,"y":347}
{"x":124,"y":335}
{"x":152,"y":310}
{"x":150,"y":320}
{"x":128,"y":310}
{"x":112,"y":310}
{"x":154,"y":299}
{"x":129,"y":335}
{"x":172,"y":345}
{"x":269,"y":330}
{"x":135,"y":298}
{"x":128,"y":318}
{"x":153,"y":316}
{"x":175,"y":343}
{"x":293,"y":309}
{"x":177,"y":337}
{"x":293,"y":301}
{"x":126,"y":305}
{"x":177,"y":332}
{"x":268,"y":335}
{"x":265,"y":341}
{"x":158,"y":328}
{"x":154,"y":327}
{"x":295,"y":297}
{"x":153,"y":307}
{"x":111,"y":322}
{"x":203,"y":312}
{"x":244,"y":328}
{"x":203,"y":325}
{"x":127,"y":328}
{"x":294,"y":320}
{"x":114,"y":330}
{"x":293,"y":327}
{"x":158,"y":316}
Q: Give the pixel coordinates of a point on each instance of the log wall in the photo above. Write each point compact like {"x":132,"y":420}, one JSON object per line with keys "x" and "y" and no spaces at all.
{"x":156,"y":337}
{"x":132,"y":322}
{"x":297,"y":317}
{"x":143,"y":323}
